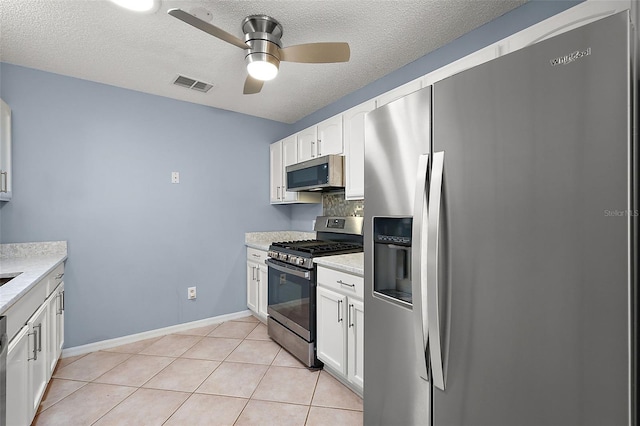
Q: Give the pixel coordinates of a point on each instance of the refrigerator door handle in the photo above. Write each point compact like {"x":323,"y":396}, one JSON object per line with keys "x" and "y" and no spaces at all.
{"x":418,"y":265}
{"x":433,"y":243}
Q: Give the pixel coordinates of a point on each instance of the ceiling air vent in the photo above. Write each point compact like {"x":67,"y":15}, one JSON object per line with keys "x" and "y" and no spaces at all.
{"x":190,"y":83}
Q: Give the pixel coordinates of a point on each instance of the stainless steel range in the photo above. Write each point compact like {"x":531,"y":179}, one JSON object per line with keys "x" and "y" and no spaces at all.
{"x":292,"y":283}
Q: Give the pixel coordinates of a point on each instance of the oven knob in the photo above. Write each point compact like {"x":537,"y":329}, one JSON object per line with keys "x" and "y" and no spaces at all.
{"x":301,"y":261}
{"x":283,"y":256}
{"x":293,"y":259}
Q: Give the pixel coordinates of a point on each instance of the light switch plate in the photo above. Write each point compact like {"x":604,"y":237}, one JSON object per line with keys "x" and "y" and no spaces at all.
{"x":175,"y":177}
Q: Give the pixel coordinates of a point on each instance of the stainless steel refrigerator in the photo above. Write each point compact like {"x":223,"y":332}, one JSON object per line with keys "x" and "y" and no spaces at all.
{"x":501,"y":241}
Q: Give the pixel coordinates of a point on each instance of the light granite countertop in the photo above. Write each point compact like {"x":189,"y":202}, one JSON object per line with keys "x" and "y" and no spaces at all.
{"x":352,"y":263}
{"x":33,"y":260}
{"x":262,"y":240}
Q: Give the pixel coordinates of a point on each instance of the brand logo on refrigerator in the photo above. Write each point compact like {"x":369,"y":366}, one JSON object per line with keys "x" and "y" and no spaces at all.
{"x":567,"y":59}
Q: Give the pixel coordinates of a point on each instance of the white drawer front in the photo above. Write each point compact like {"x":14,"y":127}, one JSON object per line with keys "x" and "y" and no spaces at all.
{"x":256,"y":255}
{"x":348,"y":284}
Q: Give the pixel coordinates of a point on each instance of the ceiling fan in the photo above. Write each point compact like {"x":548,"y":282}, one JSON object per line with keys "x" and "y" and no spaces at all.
{"x":264,"y":48}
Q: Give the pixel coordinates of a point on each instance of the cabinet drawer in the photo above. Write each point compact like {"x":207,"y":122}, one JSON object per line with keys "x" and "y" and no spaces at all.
{"x":55,"y":278}
{"x":348,"y":284}
{"x":18,"y":314}
{"x":255,"y":255}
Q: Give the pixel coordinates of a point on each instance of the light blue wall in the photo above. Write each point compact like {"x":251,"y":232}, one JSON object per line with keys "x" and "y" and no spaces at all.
{"x":92,"y":166}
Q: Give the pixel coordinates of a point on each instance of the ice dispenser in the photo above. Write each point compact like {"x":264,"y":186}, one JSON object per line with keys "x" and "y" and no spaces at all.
{"x":392,"y":259}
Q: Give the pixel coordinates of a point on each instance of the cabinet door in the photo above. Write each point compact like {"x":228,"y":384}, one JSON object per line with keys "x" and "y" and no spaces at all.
{"x":307,"y":144}
{"x":39,"y":364}
{"x":398,"y":92}
{"x":353,"y":122}
{"x":5,"y":152}
{"x":356,"y":342}
{"x":252,"y":286}
{"x":52,"y":332}
{"x":330,"y":136}
{"x":263,"y":291}
{"x":55,"y":340}
{"x":60,"y":321}
{"x":275,"y":176}
{"x":289,"y":157}
{"x":18,"y":379}
{"x":331,"y":324}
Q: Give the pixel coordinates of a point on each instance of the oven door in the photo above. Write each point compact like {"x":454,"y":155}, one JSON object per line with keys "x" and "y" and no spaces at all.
{"x":292,"y":298}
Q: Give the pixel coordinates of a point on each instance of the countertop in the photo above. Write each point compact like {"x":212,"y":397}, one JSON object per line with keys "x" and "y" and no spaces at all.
{"x":352,"y":263}
{"x":262,"y":240}
{"x":34,"y":260}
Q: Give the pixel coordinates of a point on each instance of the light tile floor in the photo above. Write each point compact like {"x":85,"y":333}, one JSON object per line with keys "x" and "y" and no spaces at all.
{"x":225,"y":374}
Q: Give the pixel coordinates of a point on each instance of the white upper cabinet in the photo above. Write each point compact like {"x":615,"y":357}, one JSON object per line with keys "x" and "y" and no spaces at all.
{"x":307,"y":143}
{"x":398,"y":92}
{"x":276,"y":172}
{"x":289,"y":157}
{"x":282,"y":154}
{"x":353,"y":122}
{"x":330,"y":136}
{"x":323,"y":139}
{"x":5,"y":152}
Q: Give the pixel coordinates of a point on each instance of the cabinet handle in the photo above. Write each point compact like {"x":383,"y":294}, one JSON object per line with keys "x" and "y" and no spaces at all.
{"x":319,"y":153}
{"x":59,"y":276}
{"x":278,"y":193}
{"x":258,"y":274}
{"x":35,"y":345}
{"x":253,"y":273}
{"x":255,"y":255}
{"x":350,"y":317}
{"x":347,"y":284}
{"x":60,"y":303}
{"x":39,"y":337}
{"x":339,"y":311}
{"x":313,"y":144}
{"x":5,"y":182}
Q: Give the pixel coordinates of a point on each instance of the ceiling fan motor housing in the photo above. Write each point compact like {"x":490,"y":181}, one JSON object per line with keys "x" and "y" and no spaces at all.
{"x":262,"y":33}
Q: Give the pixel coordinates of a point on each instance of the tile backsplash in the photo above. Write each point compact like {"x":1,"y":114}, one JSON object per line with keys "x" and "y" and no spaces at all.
{"x":334,"y":204}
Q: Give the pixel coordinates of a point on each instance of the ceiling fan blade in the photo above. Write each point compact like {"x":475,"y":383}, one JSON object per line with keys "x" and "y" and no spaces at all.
{"x":252,"y":86}
{"x":207,"y":27}
{"x":316,"y":53}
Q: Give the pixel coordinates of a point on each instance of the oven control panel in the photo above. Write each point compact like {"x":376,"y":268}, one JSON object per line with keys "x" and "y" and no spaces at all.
{"x":305,"y":262}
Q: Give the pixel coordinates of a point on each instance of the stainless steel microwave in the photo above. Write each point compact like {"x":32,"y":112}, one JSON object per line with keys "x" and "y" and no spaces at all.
{"x":318,"y":174}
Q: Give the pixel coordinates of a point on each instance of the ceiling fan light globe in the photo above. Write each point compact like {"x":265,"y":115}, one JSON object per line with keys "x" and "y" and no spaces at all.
{"x":262,"y":70}
{"x":144,"y":6}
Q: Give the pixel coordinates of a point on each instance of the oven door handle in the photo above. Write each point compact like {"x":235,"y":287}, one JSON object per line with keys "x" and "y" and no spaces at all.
{"x":298,"y":273}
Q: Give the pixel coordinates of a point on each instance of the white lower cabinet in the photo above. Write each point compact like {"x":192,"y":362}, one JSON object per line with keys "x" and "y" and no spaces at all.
{"x":340,"y":324}
{"x":257,"y":277}
{"x":331,"y":330}
{"x":355,"y":337}
{"x":35,"y":349}
{"x":55,"y":339}
{"x":18,"y":379}
{"x":38,"y":357}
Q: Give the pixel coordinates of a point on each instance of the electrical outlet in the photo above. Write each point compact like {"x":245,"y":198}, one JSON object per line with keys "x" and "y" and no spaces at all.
{"x":191,"y":293}
{"x":175,"y":177}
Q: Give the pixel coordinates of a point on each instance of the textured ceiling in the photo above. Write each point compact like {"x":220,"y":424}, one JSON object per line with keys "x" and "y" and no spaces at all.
{"x":99,"y":41}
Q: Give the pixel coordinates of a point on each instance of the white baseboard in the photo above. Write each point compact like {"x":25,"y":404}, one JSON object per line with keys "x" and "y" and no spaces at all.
{"x":119,"y":341}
